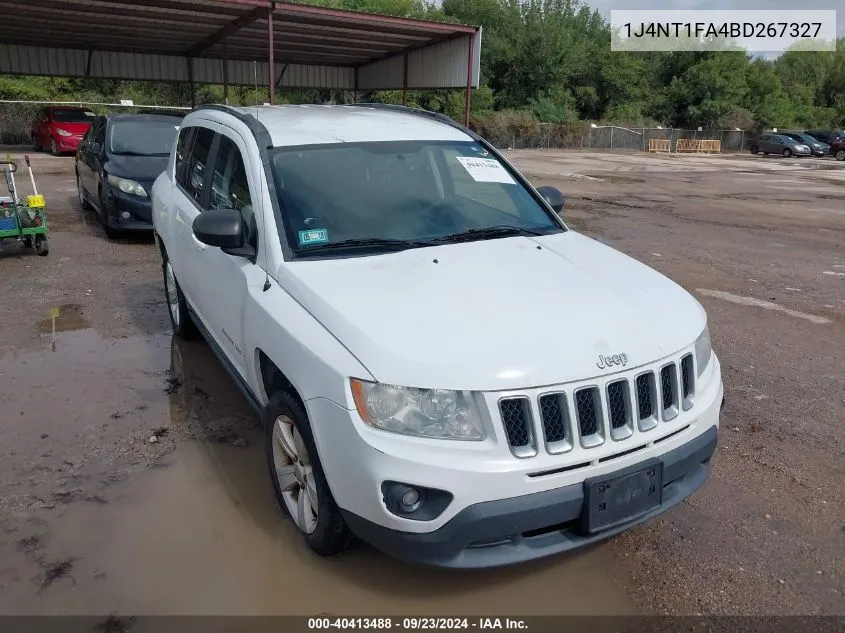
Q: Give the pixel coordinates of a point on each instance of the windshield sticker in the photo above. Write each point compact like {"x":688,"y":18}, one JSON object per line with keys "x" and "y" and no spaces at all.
{"x":313,"y":236}
{"x":486,"y":170}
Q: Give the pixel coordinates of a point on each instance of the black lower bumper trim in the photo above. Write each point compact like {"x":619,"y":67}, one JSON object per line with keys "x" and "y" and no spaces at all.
{"x":508,"y":531}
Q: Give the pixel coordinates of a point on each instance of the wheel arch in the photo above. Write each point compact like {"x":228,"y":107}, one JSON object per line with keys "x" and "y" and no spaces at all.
{"x":274,"y":379}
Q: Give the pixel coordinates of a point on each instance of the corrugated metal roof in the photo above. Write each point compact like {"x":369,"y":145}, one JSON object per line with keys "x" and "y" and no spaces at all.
{"x":155,"y":40}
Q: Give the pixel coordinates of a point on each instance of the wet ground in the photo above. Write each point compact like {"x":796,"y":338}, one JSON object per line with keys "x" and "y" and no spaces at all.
{"x":132,"y":478}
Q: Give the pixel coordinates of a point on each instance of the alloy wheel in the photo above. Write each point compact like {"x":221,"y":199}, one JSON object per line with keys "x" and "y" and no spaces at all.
{"x":295,"y":474}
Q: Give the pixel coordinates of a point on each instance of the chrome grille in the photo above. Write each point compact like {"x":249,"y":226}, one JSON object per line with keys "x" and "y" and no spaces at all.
{"x":516,"y":418}
{"x":646,"y":401}
{"x":553,"y":415}
{"x":669,"y":391}
{"x":590,"y":415}
{"x":619,"y":410}
{"x":687,"y":382}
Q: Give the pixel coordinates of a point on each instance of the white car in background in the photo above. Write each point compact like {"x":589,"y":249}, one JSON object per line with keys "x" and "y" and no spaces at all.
{"x":442,"y":367}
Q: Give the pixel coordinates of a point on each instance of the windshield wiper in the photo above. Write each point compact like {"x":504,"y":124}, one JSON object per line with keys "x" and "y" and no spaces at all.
{"x":367,"y":242}
{"x":503,"y":230}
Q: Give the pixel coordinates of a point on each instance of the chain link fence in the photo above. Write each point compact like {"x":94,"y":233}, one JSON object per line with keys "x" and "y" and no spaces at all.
{"x":17,"y":117}
{"x":526,"y":133}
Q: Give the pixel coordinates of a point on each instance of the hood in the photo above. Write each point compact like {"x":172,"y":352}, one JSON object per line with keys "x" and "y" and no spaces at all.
{"x":144,"y":169}
{"x":496,"y":314}
{"x":77,"y":129}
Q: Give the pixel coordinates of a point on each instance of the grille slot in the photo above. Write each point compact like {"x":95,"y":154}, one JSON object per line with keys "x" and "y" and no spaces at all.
{"x":619,"y":410}
{"x":554,"y":415}
{"x":646,"y":401}
{"x":589,"y":412}
{"x":687,"y":382}
{"x":669,"y":391}
{"x":516,"y":418}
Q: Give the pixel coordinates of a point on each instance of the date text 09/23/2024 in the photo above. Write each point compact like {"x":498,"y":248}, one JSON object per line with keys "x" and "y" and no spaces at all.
{"x":415,"y":623}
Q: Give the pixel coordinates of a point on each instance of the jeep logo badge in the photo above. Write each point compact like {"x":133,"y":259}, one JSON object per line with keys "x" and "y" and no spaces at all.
{"x":617,"y":360}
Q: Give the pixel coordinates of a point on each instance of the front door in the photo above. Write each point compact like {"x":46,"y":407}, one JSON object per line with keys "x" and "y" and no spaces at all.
{"x":225,"y":281}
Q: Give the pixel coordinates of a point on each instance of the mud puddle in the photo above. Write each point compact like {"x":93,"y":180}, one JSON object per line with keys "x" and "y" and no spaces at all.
{"x":133,"y":480}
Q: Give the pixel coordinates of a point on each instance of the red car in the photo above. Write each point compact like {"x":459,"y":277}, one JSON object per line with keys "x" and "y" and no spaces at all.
{"x":60,"y":128}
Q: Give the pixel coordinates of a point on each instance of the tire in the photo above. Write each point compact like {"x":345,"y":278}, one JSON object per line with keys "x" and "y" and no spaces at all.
{"x":42,"y":246}
{"x":26,"y":242}
{"x":787,"y":153}
{"x":177,"y":309}
{"x":298,"y":478}
{"x":840,"y":154}
{"x":35,"y":146}
{"x":54,"y":148}
{"x":754,"y":149}
{"x":83,"y":202}
{"x":110,"y":232}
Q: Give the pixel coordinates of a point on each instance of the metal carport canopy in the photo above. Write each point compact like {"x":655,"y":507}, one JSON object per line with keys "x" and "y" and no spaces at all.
{"x":232,"y":42}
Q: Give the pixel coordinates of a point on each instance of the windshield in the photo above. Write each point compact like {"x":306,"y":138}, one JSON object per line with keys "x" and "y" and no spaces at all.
{"x":142,"y":138}
{"x":69,"y":115}
{"x":400,"y":191}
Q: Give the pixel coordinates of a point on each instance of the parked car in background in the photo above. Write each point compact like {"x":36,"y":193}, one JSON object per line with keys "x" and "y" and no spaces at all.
{"x":116,"y":164}
{"x":779,"y":144}
{"x":837,"y":148}
{"x":403,"y":309}
{"x":60,"y":128}
{"x":818,"y":147}
{"x":825,"y":136}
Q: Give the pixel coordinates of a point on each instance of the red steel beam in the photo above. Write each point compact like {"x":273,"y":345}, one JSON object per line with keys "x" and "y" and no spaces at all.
{"x":233,"y":27}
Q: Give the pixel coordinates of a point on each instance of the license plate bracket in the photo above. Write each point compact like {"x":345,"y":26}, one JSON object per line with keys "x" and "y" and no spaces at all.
{"x":622,"y":496}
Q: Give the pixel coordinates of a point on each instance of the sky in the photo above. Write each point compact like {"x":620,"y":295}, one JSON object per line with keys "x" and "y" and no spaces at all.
{"x":605,"y":6}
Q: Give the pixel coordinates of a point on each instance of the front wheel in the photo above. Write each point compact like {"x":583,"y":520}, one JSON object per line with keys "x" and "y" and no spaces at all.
{"x":42,"y":246}
{"x":787,"y":152}
{"x":754,"y":149}
{"x":298,"y":479}
{"x":180,"y":319}
{"x":54,"y":147}
{"x":840,"y":154}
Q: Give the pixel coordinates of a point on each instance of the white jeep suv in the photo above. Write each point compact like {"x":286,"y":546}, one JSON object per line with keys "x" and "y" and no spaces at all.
{"x":442,"y":367}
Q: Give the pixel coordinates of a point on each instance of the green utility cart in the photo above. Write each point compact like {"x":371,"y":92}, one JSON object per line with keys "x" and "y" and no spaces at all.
{"x":19,"y":220}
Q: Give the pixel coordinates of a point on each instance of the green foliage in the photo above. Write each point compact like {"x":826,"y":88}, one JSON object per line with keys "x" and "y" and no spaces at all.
{"x":549,"y":61}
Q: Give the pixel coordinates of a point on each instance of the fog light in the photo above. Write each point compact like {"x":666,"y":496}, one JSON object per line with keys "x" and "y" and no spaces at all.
{"x":125,"y":215}
{"x":414,"y":502}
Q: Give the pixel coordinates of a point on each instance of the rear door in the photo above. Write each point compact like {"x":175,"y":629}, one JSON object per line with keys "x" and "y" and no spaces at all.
{"x":189,"y":256}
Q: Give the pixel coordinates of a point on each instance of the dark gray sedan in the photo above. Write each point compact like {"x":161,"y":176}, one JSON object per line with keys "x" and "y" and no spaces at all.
{"x":779,"y":144}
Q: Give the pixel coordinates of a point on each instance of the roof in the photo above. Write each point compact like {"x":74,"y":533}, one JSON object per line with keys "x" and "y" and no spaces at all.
{"x":176,"y":40}
{"x":291,"y":125}
{"x":145,"y":116}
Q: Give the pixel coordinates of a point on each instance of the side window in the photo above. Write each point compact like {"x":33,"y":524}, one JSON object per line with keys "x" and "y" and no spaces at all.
{"x":490,"y":194}
{"x":100,"y":132}
{"x":230,"y":186}
{"x":195,"y":171}
{"x":183,"y":150}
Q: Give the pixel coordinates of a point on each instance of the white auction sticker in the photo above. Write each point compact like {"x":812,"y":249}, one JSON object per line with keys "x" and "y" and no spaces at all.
{"x":486,"y":170}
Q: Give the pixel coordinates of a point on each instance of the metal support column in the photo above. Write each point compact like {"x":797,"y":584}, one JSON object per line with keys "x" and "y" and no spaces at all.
{"x":225,"y":75}
{"x":469,"y":79}
{"x":272,"y":69}
{"x":405,"y":79}
{"x":191,"y":82}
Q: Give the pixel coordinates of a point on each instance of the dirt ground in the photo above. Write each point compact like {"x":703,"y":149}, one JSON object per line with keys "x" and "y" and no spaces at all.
{"x":132,"y":478}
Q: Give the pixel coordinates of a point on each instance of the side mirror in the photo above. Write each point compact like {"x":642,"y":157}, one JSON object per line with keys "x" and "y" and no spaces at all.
{"x":222,"y":228}
{"x":553,"y":196}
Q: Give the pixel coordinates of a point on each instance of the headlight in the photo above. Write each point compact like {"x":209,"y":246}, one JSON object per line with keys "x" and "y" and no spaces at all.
{"x":432,"y":413}
{"x":63,"y":132}
{"x":703,"y":351}
{"x":127,"y":186}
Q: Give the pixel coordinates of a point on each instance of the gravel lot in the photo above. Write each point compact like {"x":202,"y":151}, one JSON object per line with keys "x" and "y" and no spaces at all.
{"x":96,"y":518}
